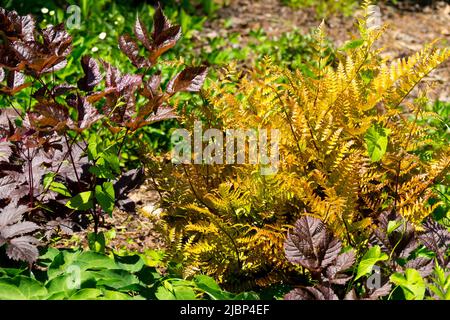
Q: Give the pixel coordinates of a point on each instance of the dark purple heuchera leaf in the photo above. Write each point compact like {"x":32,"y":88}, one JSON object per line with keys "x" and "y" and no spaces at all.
{"x":319,"y":292}
{"x":40,"y":57}
{"x":87,"y":113}
{"x":131,"y":49}
{"x":164,"y":41}
{"x":5,"y":150}
{"x":401,"y":241}
{"x":15,"y":82}
{"x":190,"y":79}
{"x":163,"y":37}
{"x":66,"y":226}
{"x":19,"y":246}
{"x":160,"y":22}
{"x":46,"y":95}
{"x":141,"y":34}
{"x":425,"y":266}
{"x":311,"y":245}
{"x":57,"y":40}
{"x":334,"y":273}
{"x":92,"y":75}
{"x":152,"y":86}
{"x":129,"y":181}
{"x":436,"y":238}
{"x":23,"y":248}
{"x":16,"y":27}
{"x":50,"y":116}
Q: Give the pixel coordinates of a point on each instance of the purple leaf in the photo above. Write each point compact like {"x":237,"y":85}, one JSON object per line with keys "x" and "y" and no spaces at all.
{"x":164,"y":41}
{"x":23,"y":248}
{"x":92,"y":75}
{"x":311,"y":245}
{"x":153,"y":84}
{"x":319,"y":292}
{"x":131,"y":49}
{"x":160,"y":22}
{"x":436,"y":238}
{"x":384,"y":290}
{"x":11,"y":215}
{"x":190,"y":79}
{"x":5,"y":151}
{"x":141,"y":34}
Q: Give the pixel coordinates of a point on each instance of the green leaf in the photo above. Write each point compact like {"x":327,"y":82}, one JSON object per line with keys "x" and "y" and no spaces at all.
{"x":86,"y":294}
{"x":184,"y":293}
{"x":372,"y":256}
{"x":112,"y":160}
{"x":92,"y":147}
{"x":21,"y":288}
{"x":115,"y":295}
{"x":131,"y":264}
{"x":247,"y":296}
{"x":84,"y":260}
{"x":94,"y":260}
{"x":82,"y":201}
{"x":101,"y":171}
{"x":96,"y":242}
{"x":352,"y":44}
{"x":163,"y":293}
{"x":60,"y":188}
{"x":105,"y":196}
{"x":393,"y":225}
{"x":61,"y":283}
{"x":57,"y":296}
{"x":376,"y":139}
{"x":211,"y":288}
{"x":116,"y":279}
{"x":9,"y":291}
{"x":411,"y":282}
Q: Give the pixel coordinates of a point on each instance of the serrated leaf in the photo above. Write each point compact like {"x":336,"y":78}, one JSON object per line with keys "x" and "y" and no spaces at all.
{"x":141,"y":33}
{"x":160,"y":22}
{"x":190,"y":79}
{"x":92,"y":75}
{"x":5,"y":151}
{"x":128,"y":46}
{"x":23,"y":248}
{"x":311,"y":245}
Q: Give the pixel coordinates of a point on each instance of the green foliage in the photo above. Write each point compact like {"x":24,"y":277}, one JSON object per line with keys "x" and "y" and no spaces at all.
{"x":86,"y":275}
{"x":377,"y":141}
{"x":440,"y":285}
{"x":411,"y":282}
{"x":370,"y":258}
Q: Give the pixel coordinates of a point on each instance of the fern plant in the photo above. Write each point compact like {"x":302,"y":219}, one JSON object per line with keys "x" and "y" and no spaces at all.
{"x":348,"y":132}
